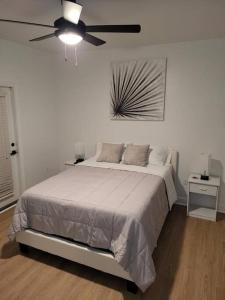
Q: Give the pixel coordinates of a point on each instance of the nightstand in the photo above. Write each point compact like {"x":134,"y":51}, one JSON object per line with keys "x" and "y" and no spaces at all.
{"x":71,"y":163}
{"x":205,"y":187}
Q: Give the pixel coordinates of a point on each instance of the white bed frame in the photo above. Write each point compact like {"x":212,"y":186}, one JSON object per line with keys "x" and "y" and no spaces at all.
{"x":95,"y":258}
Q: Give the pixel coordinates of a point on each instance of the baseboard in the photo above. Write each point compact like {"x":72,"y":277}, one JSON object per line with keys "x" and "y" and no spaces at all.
{"x":222,"y":210}
{"x":183,"y":201}
{"x":7,"y":207}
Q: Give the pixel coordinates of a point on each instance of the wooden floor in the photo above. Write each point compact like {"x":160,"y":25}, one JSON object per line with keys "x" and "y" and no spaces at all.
{"x":189,"y":259}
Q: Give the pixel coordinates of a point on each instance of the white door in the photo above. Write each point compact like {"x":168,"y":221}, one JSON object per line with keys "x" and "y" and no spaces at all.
{"x":9,"y":176}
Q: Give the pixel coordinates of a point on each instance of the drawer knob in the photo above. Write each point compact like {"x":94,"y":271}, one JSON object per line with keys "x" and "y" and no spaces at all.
{"x":204,"y":190}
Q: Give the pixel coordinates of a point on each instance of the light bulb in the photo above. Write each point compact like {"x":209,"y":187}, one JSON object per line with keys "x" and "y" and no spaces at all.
{"x":70,"y":38}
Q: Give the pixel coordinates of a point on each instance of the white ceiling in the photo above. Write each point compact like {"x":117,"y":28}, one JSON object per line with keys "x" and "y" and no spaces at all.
{"x":162,"y":21}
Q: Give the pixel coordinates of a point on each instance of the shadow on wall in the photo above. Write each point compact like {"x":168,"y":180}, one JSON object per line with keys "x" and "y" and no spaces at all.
{"x":181,"y":192}
{"x":216,"y":169}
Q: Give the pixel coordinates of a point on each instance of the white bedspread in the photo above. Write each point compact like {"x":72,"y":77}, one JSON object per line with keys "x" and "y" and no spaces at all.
{"x":110,"y":206}
{"x":164,"y":172}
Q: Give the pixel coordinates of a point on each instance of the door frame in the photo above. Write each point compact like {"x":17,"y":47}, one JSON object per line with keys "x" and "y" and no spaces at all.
{"x":17,"y":128}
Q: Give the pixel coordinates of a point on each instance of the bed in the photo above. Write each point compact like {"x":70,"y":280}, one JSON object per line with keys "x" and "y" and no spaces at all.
{"x":103,"y":215}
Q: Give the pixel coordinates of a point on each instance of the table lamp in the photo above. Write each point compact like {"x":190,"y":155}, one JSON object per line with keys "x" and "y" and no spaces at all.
{"x":202,"y":165}
{"x":79,"y":152}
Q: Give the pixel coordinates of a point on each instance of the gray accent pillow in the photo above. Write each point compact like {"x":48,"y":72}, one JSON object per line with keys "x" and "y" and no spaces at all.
{"x":111,"y":153}
{"x":136,"y":155}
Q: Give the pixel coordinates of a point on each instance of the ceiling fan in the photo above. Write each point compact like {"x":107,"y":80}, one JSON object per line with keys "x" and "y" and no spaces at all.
{"x":71,"y":30}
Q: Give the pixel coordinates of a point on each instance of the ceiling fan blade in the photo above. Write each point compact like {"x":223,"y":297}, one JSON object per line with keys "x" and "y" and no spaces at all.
{"x":93,"y":40}
{"x":114,"y":28}
{"x":26,"y":23}
{"x":44,"y":37}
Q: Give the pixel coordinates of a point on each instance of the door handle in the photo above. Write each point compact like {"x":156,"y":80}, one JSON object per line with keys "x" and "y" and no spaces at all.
{"x":14,"y":152}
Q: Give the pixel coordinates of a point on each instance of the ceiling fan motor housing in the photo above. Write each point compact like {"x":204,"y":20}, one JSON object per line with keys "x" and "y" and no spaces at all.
{"x":66,"y":26}
{"x":73,"y":1}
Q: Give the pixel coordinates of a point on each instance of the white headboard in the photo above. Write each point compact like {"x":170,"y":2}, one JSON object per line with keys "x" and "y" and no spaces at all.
{"x":172,"y":158}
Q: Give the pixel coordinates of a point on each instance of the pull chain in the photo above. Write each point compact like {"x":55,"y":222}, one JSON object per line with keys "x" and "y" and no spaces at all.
{"x":66,"y":58}
{"x":75,"y":56}
{"x":68,"y":54}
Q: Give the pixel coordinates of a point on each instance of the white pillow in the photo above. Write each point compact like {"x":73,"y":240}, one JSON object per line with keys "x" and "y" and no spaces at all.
{"x":158,"y":155}
{"x":98,"y":149}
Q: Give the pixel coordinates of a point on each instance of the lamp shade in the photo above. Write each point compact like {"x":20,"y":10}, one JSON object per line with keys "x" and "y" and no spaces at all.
{"x":71,"y":11}
{"x":79,"y":150}
{"x":201,"y":164}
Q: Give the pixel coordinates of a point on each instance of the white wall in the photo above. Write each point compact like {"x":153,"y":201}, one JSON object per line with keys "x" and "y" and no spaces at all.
{"x":31,"y":73}
{"x":194,"y":111}
{"x":58,"y":104}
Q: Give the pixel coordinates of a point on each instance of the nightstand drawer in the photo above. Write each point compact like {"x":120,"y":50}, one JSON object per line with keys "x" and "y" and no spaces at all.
{"x":203,"y":189}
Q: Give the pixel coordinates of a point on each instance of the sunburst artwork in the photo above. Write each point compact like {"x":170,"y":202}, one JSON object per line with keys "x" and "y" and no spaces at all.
{"x":138,"y":89}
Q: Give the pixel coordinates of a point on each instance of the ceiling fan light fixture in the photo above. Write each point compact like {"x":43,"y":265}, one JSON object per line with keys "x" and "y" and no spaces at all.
{"x":71,"y":11}
{"x":70,"y":38}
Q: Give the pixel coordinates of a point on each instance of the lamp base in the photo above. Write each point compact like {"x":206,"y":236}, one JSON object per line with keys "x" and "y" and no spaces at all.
{"x":204,"y":177}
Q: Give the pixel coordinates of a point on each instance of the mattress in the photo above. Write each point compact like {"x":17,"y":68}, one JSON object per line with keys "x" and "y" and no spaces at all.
{"x":104,"y":206}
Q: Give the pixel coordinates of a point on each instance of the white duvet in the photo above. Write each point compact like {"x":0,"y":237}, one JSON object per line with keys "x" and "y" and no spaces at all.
{"x":116,"y":207}
{"x":164,"y":172}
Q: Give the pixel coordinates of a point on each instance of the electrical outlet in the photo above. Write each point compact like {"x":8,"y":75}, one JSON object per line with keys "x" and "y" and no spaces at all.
{"x":185,"y":182}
